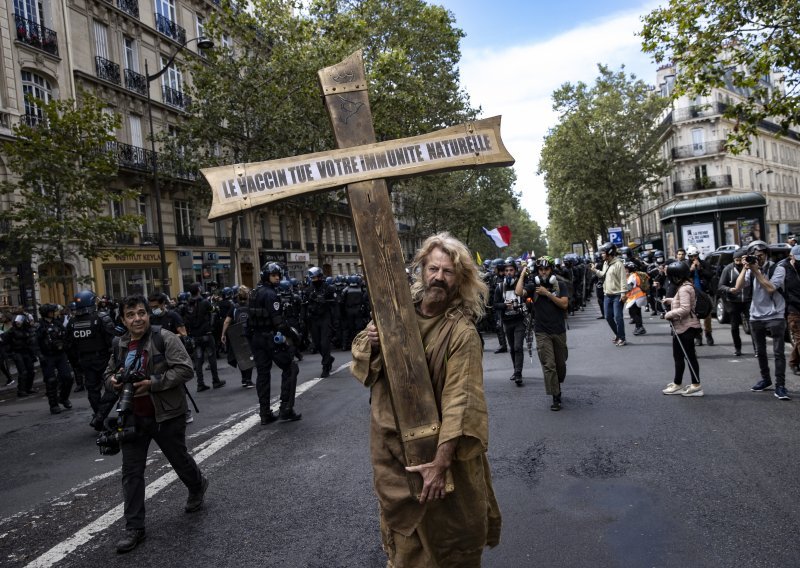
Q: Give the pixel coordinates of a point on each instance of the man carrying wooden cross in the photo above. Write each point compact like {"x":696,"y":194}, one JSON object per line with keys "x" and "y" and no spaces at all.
{"x":456,"y":514}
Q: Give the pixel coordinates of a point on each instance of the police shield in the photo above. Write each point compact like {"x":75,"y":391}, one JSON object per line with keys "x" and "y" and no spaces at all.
{"x":241,"y":346}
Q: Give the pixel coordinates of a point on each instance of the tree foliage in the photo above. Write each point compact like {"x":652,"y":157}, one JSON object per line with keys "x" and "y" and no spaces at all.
{"x":61,"y":186}
{"x":601,"y":155}
{"x":261,"y":100}
{"x":734,"y":44}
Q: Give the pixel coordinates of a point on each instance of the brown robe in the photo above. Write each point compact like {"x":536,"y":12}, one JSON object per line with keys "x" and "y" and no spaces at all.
{"x":458,"y":527}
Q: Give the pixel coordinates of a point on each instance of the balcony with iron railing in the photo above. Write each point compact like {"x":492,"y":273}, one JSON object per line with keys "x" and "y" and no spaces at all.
{"x":36,"y":35}
{"x":244,"y":243}
{"x":189,"y":240}
{"x":698,"y":149}
{"x":329,"y":247}
{"x":130,"y":7}
{"x":133,"y":157}
{"x":223,"y":241}
{"x":701,"y":184}
{"x":266,"y":243}
{"x":698,"y":111}
{"x":135,"y":82}
{"x":123,"y":238}
{"x":170,"y":29}
{"x":107,"y":70}
{"x":176,"y":98}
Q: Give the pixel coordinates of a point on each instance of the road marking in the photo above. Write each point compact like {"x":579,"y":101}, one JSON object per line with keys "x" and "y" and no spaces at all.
{"x":84,"y":535}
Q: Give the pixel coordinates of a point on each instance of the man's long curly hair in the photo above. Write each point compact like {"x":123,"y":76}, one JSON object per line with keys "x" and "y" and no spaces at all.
{"x":469,"y":291}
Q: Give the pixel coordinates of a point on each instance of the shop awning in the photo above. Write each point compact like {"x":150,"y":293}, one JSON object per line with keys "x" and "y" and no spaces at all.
{"x":711,"y":204}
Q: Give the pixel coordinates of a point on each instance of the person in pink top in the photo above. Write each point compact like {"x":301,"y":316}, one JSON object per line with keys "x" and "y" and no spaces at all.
{"x":685,"y":328}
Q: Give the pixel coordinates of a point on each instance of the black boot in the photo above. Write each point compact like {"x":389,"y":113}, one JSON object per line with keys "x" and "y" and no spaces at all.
{"x":128,"y":542}
{"x":268,"y":417}
{"x":556,"y":406}
{"x":709,"y":338}
{"x":502,"y":349}
{"x":289,"y":415}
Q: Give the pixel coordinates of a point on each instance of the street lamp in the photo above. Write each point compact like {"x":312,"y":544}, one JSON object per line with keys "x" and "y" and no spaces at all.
{"x":202,"y":43}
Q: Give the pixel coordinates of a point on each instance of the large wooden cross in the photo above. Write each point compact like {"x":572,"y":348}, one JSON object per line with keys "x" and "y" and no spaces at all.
{"x":363,"y":166}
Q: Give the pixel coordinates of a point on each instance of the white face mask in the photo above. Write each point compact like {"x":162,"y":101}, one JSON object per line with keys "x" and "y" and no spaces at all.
{"x":157,"y":311}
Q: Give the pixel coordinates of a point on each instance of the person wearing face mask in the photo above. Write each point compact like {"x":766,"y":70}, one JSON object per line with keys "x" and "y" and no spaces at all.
{"x":508,"y":305}
{"x":321,"y":301}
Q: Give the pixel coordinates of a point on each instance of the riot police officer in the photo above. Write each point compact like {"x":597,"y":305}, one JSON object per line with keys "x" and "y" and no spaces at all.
{"x":267,"y":332}
{"x":89,"y":337}
{"x":353,"y":302}
{"x":20,"y":341}
{"x":321,"y":300}
{"x":56,"y":371}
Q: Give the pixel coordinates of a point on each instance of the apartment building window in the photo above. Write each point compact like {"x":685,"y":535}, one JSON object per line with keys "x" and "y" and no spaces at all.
{"x":166,"y":9}
{"x":244,"y":227}
{"x":145,"y":212}
{"x":227,"y":42}
{"x":135,"y":124}
{"x":39,"y":87}
{"x":184,"y":218}
{"x":116,"y":208}
{"x":700,"y":172}
{"x":31,"y":10}
{"x":200,"y":29}
{"x":172,"y":85}
{"x":698,"y":141}
{"x":131,"y":54}
{"x":741,"y":178}
{"x":263,"y":221}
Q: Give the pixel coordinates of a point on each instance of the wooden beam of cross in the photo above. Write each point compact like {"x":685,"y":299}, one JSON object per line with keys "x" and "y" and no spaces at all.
{"x":364,"y":166}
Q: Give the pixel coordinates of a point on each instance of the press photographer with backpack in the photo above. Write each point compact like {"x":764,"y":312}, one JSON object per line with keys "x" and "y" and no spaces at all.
{"x":158,"y":411}
{"x":767,"y":313}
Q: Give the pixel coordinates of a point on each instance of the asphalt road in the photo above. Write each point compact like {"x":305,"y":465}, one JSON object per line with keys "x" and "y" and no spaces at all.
{"x":623,"y":476}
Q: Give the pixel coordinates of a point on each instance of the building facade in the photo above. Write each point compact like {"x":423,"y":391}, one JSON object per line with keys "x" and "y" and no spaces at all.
{"x":693,"y":139}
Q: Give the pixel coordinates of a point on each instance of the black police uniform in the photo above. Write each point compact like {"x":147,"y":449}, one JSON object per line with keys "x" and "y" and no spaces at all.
{"x":513,"y":321}
{"x":265,"y":319}
{"x":56,"y":370}
{"x":20,"y":340}
{"x":89,"y":337}
{"x":197,"y":317}
{"x":321,"y":300}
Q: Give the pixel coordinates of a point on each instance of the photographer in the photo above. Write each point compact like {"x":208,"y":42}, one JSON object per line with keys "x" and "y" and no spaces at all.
{"x":550,"y":305}
{"x":157,"y":411}
{"x":507,"y":304}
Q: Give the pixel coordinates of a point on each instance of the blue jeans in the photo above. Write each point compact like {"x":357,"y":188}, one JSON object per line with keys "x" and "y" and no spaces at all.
{"x":777,"y":328}
{"x":614,"y":315}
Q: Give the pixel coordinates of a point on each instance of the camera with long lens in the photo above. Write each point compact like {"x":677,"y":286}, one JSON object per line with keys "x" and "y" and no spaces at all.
{"x":751,"y":259}
{"x":120,"y":429}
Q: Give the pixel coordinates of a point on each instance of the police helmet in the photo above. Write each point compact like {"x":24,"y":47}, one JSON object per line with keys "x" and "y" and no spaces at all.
{"x":354,"y":279}
{"x":757,"y":246}
{"x":183,"y":297}
{"x":739,"y":253}
{"x":677,"y":272}
{"x":500,"y":264}
{"x":46,"y":309}
{"x":329,"y":280}
{"x":314,"y":272}
{"x":85,"y":301}
{"x":692,"y":250}
{"x":294,"y":282}
{"x":235,"y":290}
{"x":625,"y":251}
{"x":270,"y":268}
{"x":630,"y":265}
{"x":609,"y":249}
{"x":284,"y":285}
{"x":227,"y":292}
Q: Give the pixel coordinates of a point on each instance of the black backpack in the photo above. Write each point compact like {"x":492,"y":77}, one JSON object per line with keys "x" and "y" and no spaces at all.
{"x":703,"y":306}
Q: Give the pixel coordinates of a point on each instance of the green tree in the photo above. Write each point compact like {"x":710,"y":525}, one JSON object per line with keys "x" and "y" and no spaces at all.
{"x":601,"y":156}
{"x":735,"y":44}
{"x":61,"y":185}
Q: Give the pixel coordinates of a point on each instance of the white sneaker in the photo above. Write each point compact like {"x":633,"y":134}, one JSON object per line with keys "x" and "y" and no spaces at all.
{"x":672,"y":388}
{"x":693,"y":390}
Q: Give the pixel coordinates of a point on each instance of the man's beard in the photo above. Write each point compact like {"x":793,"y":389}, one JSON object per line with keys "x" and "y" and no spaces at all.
{"x":438,"y":292}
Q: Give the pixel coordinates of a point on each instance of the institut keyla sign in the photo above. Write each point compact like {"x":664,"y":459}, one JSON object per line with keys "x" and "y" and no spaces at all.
{"x":362,"y":165}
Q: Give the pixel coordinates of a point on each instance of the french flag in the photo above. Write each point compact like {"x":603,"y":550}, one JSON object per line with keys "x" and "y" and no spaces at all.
{"x":501,"y":236}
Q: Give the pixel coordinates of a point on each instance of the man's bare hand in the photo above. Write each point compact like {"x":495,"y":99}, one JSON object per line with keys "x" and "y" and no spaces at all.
{"x":433,"y":480}
{"x":117,"y":386}
{"x":142,"y":386}
{"x":374,"y":339}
